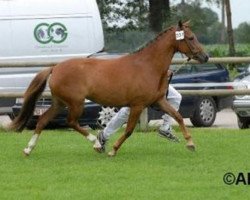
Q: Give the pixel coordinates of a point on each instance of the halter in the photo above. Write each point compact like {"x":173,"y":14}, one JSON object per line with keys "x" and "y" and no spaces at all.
{"x":190,"y":46}
{"x":180,"y":35}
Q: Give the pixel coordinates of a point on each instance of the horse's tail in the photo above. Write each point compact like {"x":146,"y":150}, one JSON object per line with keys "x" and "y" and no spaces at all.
{"x":31,"y":95}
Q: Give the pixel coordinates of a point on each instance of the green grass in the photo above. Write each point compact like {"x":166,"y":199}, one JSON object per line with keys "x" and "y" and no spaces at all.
{"x":64,"y":166}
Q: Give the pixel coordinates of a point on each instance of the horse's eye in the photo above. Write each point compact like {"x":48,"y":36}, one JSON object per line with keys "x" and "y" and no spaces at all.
{"x":191,"y":38}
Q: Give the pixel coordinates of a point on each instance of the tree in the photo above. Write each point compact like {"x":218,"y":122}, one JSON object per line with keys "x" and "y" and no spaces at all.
{"x":128,"y":23}
{"x":159,"y":11}
{"x":223,"y":27}
{"x":226,"y":5}
{"x":203,"y":26}
{"x":229,"y":28}
{"x":134,"y":14}
{"x":242,"y":33}
{"x":122,"y":15}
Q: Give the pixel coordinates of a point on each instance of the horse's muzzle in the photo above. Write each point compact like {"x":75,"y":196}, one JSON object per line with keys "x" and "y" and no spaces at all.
{"x":201,"y":57}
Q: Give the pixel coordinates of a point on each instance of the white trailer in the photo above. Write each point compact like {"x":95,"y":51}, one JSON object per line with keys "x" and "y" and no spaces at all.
{"x":49,"y":29}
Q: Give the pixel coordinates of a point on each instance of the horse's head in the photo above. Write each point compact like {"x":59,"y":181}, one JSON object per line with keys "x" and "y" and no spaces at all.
{"x":188,"y":44}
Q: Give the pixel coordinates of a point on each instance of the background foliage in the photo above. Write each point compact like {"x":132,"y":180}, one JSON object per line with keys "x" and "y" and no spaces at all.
{"x":128,"y":24}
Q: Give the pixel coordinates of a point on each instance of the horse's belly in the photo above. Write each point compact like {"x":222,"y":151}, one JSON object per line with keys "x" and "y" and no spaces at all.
{"x":122,"y":97}
{"x":109,"y":99}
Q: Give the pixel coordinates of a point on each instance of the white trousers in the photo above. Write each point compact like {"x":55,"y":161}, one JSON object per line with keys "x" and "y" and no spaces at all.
{"x":121,"y":117}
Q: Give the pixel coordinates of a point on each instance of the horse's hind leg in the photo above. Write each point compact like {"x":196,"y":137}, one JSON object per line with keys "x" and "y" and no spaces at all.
{"x":75,"y":111}
{"x":132,"y":120}
{"x":42,"y":122}
{"x":166,"y":107}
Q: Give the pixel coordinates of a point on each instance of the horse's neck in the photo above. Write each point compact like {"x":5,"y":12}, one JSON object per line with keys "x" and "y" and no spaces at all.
{"x":159,"y":53}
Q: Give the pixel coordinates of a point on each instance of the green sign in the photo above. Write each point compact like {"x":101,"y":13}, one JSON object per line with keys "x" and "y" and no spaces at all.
{"x":46,"y":33}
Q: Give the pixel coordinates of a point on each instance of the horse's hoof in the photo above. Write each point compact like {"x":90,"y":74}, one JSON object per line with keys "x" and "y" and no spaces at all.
{"x":112,"y":153}
{"x":98,"y":150}
{"x":191,"y":147}
{"x":98,"y":147}
{"x":26,"y":152}
{"x":97,"y":144}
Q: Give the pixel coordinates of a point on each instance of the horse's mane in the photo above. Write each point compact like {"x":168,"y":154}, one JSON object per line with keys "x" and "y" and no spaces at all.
{"x":153,"y":40}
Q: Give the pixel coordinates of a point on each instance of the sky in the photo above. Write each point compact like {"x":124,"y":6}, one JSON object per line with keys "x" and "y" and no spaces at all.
{"x":240,"y":11}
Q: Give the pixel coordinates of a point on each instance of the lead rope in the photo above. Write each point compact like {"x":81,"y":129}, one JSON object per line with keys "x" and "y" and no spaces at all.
{"x":185,"y":62}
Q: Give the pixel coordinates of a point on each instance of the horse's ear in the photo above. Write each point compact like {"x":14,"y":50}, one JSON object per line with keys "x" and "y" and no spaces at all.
{"x":187,"y":23}
{"x":180,"y":24}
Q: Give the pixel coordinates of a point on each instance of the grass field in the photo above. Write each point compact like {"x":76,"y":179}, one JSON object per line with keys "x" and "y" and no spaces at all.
{"x":64,"y":166}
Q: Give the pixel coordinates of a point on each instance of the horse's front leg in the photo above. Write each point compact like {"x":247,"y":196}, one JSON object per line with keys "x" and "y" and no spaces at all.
{"x":166,"y":107}
{"x":132,"y":120}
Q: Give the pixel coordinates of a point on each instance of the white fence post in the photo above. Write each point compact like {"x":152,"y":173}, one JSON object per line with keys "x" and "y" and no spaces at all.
{"x":144,"y":120}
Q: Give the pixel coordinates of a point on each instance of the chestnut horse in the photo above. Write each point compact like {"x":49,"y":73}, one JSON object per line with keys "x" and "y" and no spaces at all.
{"x":136,"y":80}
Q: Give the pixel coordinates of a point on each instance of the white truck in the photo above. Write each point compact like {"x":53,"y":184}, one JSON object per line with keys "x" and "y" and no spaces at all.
{"x":44,"y":30}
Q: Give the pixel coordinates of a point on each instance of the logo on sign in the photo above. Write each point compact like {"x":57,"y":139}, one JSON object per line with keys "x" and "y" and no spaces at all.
{"x":45,"y":33}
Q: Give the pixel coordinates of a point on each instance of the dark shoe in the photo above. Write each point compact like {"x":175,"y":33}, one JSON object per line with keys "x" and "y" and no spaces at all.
{"x":102,"y":141}
{"x":169,"y":135}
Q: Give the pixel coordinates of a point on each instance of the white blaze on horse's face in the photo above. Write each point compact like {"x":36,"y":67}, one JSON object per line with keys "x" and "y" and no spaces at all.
{"x":188,"y":43}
